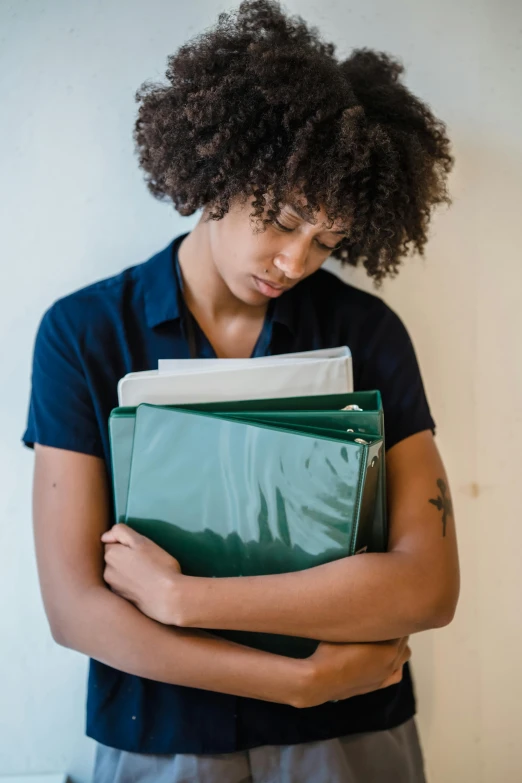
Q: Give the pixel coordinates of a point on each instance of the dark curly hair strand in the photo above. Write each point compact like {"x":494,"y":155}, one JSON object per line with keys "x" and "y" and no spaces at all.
{"x":259,"y":106}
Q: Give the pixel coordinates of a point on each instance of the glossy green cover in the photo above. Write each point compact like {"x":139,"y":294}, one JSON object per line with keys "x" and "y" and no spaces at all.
{"x":363,"y":424}
{"x":230,"y":498}
{"x":300,"y":412}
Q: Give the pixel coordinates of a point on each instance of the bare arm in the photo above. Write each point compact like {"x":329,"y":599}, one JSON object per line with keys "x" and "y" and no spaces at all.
{"x":70,"y":509}
{"x":412,"y":587}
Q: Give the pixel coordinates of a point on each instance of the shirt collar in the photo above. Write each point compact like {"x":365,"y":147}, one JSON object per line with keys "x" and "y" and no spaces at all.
{"x":160,"y":285}
{"x":161,"y":291}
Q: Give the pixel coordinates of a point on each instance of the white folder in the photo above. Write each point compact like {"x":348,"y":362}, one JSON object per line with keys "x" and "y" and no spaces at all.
{"x":193,"y":365}
{"x":182,"y":381}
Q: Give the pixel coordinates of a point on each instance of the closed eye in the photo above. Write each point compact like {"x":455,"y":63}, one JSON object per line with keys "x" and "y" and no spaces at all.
{"x":321,"y":244}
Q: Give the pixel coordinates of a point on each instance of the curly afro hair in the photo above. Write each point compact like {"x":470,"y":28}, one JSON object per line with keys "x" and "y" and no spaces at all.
{"x":258,"y":106}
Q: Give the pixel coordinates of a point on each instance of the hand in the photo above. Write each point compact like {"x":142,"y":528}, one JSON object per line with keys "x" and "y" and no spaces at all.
{"x":339,"y":671}
{"x":142,"y":572}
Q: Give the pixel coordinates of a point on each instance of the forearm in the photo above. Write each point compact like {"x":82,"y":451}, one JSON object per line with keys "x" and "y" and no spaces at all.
{"x":368,"y":598}
{"x":110,"y":629}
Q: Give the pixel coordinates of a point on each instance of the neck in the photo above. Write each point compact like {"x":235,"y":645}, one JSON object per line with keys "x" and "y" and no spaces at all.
{"x":206,"y":293}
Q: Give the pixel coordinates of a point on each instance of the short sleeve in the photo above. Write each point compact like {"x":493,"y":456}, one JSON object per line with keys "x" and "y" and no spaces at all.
{"x":391,"y":365}
{"x":61,"y":410}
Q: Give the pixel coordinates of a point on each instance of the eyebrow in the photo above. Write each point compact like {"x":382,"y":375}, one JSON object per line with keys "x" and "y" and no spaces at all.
{"x":303,"y":216}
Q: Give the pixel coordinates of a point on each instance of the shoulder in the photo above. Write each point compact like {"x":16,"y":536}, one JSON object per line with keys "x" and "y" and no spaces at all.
{"x":97,"y":302}
{"x":327,"y":287}
{"x":120,"y":302}
{"x":326,"y":283}
{"x":102,"y":312}
{"x":383,"y":353}
{"x":363,"y":316}
{"x":78,"y":355}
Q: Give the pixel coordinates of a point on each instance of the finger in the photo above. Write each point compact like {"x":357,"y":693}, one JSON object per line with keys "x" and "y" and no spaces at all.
{"x":403,"y":645}
{"x":397,"y":676}
{"x":121,"y":534}
{"x":112,"y":551}
{"x":108,"y":551}
{"x":404,"y":658}
{"x":110,"y":576}
{"x":397,"y":644}
{"x":394,"y":678}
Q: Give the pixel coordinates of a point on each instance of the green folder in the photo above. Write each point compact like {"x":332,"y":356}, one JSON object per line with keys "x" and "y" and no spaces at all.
{"x":317,"y":411}
{"x":231,"y":497}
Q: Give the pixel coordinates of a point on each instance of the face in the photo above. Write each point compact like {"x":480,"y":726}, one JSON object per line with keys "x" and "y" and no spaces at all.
{"x":260,"y":266}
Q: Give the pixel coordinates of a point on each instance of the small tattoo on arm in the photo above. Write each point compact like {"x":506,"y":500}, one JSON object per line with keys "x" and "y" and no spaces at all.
{"x":443,"y":503}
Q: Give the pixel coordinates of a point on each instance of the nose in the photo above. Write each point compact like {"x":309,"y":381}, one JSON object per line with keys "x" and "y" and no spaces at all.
{"x":292,"y":261}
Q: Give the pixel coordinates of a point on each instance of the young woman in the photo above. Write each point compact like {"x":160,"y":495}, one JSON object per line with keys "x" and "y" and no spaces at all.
{"x":292,"y":156}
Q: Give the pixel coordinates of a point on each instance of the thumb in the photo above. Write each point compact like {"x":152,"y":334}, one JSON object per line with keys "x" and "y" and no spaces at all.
{"x":121,"y":534}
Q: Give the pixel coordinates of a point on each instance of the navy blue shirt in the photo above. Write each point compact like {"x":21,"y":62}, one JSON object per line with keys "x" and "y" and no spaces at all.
{"x":85,"y":343}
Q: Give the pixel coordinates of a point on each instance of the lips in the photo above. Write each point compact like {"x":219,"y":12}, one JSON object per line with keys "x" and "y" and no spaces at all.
{"x":268,"y":288}
{"x":277,"y":286}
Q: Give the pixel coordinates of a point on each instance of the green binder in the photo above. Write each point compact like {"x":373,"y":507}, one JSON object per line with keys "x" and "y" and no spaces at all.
{"x":229,"y":496}
{"x":318,"y":411}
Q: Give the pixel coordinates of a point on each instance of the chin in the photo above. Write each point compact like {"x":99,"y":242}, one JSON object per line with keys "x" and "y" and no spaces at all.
{"x":254,"y":298}
{"x":249,"y":295}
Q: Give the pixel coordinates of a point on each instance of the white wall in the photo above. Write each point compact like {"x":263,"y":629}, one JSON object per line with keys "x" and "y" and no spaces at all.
{"x":75,"y":209}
